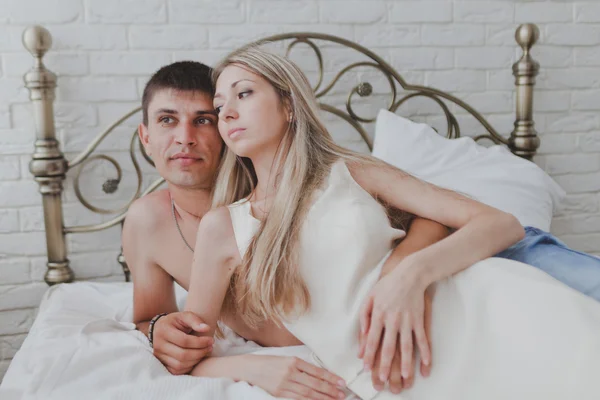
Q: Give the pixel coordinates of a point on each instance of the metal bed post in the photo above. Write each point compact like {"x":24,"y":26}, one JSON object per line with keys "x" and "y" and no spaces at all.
{"x":48,"y":164}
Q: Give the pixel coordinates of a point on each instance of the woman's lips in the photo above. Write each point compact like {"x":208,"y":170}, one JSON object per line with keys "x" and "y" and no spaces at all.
{"x":233,"y":133}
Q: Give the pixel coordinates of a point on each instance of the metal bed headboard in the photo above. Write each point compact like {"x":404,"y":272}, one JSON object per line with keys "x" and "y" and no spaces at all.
{"x":49,"y":165}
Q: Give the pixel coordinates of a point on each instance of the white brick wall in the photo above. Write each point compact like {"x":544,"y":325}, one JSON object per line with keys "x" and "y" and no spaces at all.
{"x":104,"y":51}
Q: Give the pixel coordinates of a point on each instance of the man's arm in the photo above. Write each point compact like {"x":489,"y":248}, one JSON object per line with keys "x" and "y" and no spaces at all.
{"x":154,"y":293}
{"x":422,"y":233}
{"x":153,"y":289}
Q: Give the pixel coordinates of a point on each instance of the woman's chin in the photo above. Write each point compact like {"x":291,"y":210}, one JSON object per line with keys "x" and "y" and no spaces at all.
{"x":244,"y":151}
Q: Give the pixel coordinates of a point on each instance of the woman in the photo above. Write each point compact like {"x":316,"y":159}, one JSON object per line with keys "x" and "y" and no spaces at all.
{"x":301,"y":232}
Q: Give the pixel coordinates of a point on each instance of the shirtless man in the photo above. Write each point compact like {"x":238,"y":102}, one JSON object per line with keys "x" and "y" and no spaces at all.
{"x":179,"y":132}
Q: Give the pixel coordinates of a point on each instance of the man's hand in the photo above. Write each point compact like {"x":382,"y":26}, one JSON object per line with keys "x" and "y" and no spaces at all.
{"x":175,"y":344}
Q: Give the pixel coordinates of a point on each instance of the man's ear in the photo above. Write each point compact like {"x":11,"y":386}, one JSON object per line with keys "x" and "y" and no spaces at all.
{"x":144,"y":137}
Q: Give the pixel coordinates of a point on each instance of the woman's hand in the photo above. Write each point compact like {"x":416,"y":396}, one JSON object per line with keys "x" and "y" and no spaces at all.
{"x":395,"y":310}
{"x":293,"y":378}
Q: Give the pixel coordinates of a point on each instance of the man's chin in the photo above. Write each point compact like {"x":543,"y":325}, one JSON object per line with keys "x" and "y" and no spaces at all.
{"x":188,"y":179}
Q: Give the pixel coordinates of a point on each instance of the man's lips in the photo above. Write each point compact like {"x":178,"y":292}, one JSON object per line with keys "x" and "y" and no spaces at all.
{"x":186,"y":159}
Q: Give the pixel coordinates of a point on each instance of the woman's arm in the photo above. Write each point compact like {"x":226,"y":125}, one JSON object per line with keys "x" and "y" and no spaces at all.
{"x":397,"y":305}
{"x":215,"y":257}
{"x":281,"y":376}
{"x":481,"y":231}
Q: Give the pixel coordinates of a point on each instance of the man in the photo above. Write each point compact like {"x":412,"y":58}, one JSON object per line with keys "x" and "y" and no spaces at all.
{"x":179,"y":131}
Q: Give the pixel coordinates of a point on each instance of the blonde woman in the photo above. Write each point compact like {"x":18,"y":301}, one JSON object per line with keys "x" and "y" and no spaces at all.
{"x":301,"y":230}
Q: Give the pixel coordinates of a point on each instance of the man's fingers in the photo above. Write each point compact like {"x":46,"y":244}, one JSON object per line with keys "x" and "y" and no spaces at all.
{"x":193,"y":321}
{"x":406,"y":347}
{"x":388,"y":350}
{"x":184,"y":355}
{"x":395,"y":380}
{"x":365,"y":318}
{"x":425,"y":370}
{"x":187,"y":341}
{"x":373,"y":339}
{"x":377,"y":383}
{"x":173,"y":365}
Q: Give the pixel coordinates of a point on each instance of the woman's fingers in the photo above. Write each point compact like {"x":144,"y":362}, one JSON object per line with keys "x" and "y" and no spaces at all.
{"x":315,"y":382}
{"x":406,"y":347}
{"x":316,"y":386}
{"x":319,"y":373}
{"x":423,"y":345}
{"x":388,"y":349}
{"x":373,"y":340}
{"x":365,"y":319}
{"x":426,"y":361}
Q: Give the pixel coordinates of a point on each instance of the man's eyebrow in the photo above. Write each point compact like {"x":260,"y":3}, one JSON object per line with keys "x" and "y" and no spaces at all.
{"x":165,"y":111}
{"x":174,"y":112}
{"x":206,"y":112}
{"x":232,"y":85}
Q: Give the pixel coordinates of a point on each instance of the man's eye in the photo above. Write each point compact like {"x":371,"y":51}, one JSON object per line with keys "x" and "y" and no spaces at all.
{"x":165,"y":120}
{"x":203,"y":121}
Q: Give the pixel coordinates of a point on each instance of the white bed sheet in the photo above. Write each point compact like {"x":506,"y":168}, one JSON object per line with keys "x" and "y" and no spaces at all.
{"x":83,"y":345}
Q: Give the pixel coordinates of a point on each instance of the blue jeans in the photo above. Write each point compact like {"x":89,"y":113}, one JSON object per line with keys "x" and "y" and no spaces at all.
{"x":542,"y":250}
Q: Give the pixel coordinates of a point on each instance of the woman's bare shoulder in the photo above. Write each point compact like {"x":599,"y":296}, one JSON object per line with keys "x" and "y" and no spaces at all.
{"x":216,"y":230}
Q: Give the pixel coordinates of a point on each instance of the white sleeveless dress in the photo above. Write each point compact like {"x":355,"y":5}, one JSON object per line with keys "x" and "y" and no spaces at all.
{"x":500,"y":329}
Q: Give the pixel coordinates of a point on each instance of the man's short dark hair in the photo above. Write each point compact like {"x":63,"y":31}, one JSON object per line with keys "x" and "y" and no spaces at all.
{"x":189,"y":76}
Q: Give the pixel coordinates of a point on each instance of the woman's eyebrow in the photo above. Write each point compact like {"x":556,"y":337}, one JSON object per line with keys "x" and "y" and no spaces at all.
{"x":217,"y":95}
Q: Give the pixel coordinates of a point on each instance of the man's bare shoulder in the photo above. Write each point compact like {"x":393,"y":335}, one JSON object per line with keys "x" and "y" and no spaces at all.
{"x":149,"y":212}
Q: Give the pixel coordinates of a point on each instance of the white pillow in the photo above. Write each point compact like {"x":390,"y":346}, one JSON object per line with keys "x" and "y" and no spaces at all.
{"x":493,"y":175}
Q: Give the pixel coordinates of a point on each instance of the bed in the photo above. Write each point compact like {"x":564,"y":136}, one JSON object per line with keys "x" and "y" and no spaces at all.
{"x":82,"y":342}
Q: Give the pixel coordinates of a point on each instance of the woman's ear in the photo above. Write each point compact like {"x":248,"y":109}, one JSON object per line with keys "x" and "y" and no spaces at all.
{"x":287,"y":107}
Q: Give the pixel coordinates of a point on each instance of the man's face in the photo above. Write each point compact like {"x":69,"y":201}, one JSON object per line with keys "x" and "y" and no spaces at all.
{"x":182,"y":137}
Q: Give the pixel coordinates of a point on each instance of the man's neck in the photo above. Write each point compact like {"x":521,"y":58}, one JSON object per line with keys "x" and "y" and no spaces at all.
{"x":195,"y":202}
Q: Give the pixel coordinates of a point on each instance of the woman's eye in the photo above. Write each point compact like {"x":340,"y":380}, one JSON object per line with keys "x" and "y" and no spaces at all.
{"x":241,"y":95}
{"x":218,"y":109}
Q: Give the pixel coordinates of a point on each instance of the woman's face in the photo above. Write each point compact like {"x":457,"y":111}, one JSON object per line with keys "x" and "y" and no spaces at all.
{"x":252,"y":120}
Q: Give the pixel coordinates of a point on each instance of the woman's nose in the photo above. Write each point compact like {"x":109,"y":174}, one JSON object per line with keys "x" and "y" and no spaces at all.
{"x":228,"y":111}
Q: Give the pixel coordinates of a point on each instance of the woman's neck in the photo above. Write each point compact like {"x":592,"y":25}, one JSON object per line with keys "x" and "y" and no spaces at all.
{"x":266,"y":166}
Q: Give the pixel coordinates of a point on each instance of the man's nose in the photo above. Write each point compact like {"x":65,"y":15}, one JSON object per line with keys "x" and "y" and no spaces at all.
{"x":186,"y":135}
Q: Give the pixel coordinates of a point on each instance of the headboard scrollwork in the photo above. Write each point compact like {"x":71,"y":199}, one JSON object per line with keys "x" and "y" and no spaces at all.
{"x":49,"y":166}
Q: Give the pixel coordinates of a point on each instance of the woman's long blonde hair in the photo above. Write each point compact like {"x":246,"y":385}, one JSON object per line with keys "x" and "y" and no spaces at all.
{"x":268,"y":285}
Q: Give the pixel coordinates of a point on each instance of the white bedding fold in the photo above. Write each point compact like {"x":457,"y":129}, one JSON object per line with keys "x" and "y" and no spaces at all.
{"x":83,"y":346}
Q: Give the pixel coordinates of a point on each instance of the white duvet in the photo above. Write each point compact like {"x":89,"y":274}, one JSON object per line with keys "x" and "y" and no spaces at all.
{"x":500,"y":330}
{"x":82,"y":346}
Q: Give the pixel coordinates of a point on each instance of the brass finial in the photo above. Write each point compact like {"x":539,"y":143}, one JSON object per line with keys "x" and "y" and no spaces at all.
{"x":526,"y":36}
{"x":37,"y":40}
